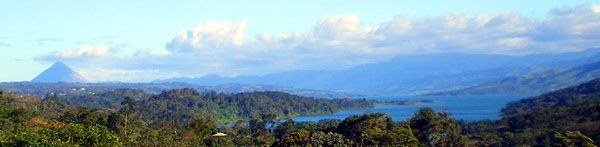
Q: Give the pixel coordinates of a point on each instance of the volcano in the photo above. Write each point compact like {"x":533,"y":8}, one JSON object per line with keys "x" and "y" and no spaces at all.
{"x":59,"y":72}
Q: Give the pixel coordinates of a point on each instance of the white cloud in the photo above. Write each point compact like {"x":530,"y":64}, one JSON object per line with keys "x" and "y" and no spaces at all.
{"x":209,"y":35}
{"x":337,"y":27}
{"x":342,"y":41}
{"x":82,"y":53}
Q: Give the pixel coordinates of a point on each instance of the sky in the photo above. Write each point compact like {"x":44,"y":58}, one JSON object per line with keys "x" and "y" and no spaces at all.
{"x":139,"y":41}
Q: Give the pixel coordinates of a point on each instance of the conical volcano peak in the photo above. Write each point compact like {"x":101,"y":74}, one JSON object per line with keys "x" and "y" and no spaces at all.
{"x":60,"y":65}
{"x":59,"y":72}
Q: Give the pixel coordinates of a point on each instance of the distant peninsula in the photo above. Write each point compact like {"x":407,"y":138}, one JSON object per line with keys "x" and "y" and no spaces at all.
{"x":407,"y":102}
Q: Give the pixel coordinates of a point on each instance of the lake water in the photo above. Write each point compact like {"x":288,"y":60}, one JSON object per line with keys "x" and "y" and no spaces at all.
{"x":471,"y":108}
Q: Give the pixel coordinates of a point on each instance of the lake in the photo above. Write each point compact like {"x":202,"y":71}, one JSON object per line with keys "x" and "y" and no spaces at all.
{"x":471,"y":107}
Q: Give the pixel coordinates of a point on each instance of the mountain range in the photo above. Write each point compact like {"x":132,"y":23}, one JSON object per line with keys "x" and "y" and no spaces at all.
{"x":63,"y":78}
{"x":538,"y":82}
{"x":440,"y":74}
{"x":411,"y":74}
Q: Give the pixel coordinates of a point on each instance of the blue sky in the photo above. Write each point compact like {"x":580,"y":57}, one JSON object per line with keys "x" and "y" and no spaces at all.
{"x":144,"y":40}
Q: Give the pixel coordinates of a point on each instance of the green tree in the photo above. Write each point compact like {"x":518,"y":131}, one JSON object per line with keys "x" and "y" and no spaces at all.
{"x":436,"y":129}
{"x":299,"y":138}
{"x":375,"y":129}
{"x":203,"y":130}
{"x":126,"y":109}
{"x":59,"y":134}
{"x":332,"y":139}
{"x":572,"y":139}
{"x":1,"y":96}
{"x":285,"y":128}
{"x":51,"y":97}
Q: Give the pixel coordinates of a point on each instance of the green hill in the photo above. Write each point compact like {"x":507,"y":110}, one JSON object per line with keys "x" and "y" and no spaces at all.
{"x":222,"y":107}
{"x":572,"y":95}
{"x":568,"y":115}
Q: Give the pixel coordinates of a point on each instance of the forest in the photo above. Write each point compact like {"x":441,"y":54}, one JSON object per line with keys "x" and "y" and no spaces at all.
{"x":186,"y":117}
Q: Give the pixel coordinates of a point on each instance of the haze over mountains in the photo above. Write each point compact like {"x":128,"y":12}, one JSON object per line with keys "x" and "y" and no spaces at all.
{"x":59,"y":72}
{"x":411,"y":74}
{"x":446,"y":73}
{"x":538,"y":82}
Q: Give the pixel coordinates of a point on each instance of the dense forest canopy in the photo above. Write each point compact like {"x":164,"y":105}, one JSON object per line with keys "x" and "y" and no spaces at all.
{"x":189,"y":103}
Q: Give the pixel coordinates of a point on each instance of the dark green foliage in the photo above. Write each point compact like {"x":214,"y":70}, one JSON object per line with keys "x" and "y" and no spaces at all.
{"x":65,"y":135}
{"x":298,"y":138}
{"x":51,"y":98}
{"x":329,"y":139}
{"x":572,"y":95}
{"x":376,"y":129}
{"x":127,"y":106}
{"x":538,"y":127}
{"x":361,"y":130}
{"x":534,"y":125}
{"x":109,"y":99}
{"x":436,"y":129}
{"x":202,"y":131}
{"x":188,"y":103}
{"x":286,"y":127}
{"x":537,"y":120}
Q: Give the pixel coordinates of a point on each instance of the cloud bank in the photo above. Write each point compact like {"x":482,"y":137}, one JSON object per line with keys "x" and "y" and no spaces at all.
{"x":82,"y":54}
{"x":342,"y":41}
{"x":209,"y":35}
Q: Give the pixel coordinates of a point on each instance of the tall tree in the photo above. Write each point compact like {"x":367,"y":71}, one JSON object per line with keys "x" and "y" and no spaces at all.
{"x":126,"y":109}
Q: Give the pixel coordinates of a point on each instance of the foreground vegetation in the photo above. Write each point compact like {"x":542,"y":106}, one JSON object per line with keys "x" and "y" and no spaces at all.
{"x":185,"y":117}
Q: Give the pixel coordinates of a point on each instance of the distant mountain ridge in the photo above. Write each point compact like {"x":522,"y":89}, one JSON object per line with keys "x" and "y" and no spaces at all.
{"x":538,"y":82}
{"x":59,"y":72}
{"x":410,"y":74}
{"x":41,"y":89}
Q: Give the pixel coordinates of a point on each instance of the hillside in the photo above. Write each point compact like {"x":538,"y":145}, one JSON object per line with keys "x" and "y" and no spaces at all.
{"x":185,"y":104}
{"x":567,"y":116}
{"x":538,"y":82}
{"x":410,"y":74}
{"x":574,"y":124}
{"x":572,"y":95}
{"x":188,"y":103}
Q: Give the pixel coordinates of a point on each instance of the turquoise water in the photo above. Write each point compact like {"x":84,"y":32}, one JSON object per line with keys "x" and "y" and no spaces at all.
{"x":470,"y":108}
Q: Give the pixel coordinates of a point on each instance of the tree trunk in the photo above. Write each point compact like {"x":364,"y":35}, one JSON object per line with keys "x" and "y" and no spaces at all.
{"x":125,"y":126}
